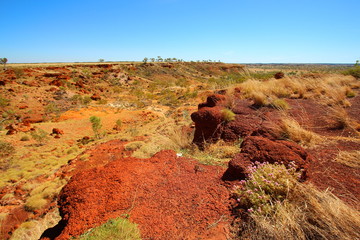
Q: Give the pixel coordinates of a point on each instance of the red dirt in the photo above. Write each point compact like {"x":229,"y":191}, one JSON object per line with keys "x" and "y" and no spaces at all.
{"x":168,"y":196}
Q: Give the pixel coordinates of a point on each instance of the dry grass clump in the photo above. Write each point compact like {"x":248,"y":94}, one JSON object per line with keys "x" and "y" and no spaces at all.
{"x":338,"y":118}
{"x":291,"y":129}
{"x":219,"y":153}
{"x":306,"y":214}
{"x":40,"y":194}
{"x":132,"y":146}
{"x":349,"y":158}
{"x":296,"y":211}
{"x":163,"y":134}
{"x":228,"y":115}
{"x":331,"y":89}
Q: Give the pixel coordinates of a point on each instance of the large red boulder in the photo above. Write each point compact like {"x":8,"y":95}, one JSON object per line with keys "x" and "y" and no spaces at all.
{"x":169,"y":197}
{"x":260,"y":149}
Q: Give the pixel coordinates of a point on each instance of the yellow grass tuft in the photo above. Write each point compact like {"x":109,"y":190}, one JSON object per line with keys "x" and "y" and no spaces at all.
{"x":306,"y":214}
{"x":292,"y":130}
{"x":349,"y":158}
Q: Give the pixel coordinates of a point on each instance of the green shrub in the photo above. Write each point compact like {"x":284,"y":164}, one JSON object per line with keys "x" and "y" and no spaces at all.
{"x":25,"y":138}
{"x":228,"y":115}
{"x":52,"y":108}
{"x":40,"y":136}
{"x":267,"y":186}
{"x":354,"y":71}
{"x":6,"y":149}
{"x":96,"y":126}
{"x":4,"y":102}
{"x":118,"y":228}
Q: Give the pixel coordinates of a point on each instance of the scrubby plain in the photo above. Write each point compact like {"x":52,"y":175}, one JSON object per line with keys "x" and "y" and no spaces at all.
{"x":62,"y":121}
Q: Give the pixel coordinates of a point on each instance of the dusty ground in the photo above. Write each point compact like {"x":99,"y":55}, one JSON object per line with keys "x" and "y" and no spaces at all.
{"x":168,"y":196}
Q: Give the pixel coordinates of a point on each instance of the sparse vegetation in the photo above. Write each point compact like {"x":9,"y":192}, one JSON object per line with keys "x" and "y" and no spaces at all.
{"x":96,"y":126}
{"x":349,"y":158}
{"x":292,"y":130}
{"x":228,"y":115}
{"x":150,"y":105}
{"x":3,"y":61}
{"x":6,"y":149}
{"x":118,"y":228}
{"x":291,"y":210}
{"x":40,"y":136}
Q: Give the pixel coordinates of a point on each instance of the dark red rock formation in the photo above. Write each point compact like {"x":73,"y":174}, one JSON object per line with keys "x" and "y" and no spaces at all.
{"x":210,"y":125}
{"x":57,"y":131}
{"x":260,"y":149}
{"x":95,"y":97}
{"x":279,"y":75}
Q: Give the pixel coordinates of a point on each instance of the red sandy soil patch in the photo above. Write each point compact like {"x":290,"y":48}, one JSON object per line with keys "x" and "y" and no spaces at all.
{"x":169,"y":197}
{"x":323,"y":171}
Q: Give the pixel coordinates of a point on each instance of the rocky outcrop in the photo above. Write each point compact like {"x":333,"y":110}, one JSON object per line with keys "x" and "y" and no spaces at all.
{"x":95,"y":97}
{"x":210,"y":125}
{"x":169,"y":197}
{"x":256,"y":127}
{"x":260,"y":149}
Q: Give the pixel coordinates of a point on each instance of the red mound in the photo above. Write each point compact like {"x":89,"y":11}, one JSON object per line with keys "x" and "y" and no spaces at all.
{"x":249,"y":121}
{"x":168,"y":196}
{"x":259,"y":149}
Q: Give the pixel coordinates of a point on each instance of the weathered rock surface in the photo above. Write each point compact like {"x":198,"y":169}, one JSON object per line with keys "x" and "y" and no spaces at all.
{"x":260,"y":149}
{"x":168,"y":196}
{"x":211,"y":127}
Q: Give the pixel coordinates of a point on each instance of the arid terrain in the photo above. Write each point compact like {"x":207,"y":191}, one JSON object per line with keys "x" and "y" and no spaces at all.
{"x":179,"y":150}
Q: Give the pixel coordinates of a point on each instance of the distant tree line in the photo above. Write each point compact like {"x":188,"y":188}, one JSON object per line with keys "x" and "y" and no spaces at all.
{"x":3,"y":61}
{"x":160,"y":59}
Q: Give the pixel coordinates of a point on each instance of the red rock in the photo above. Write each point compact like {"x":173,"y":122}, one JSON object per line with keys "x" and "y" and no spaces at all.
{"x":51,"y":75}
{"x":2,"y":83}
{"x":57,"y":83}
{"x":80,"y":84}
{"x":31,"y":83}
{"x":33,"y":118}
{"x":95,"y":97}
{"x":210,"y":126}
{"x":57,"y":131}
{"x":23,"y":106}
{"x":213,"y":100}
{"x":12,"y":129}
{"x":191,"y":196}
{"x":260,"y":149}
{"x":279,"y":75}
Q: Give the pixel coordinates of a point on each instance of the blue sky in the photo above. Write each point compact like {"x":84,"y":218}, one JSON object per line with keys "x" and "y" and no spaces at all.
{"x":241,"y":31}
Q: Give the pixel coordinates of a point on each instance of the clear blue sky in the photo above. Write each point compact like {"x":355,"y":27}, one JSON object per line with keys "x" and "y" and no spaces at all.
{"x":242,"y":31}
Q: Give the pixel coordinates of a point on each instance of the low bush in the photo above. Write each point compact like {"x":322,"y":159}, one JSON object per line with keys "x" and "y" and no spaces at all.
{"x":40,"y":136}
{"x":267,"y":186}
{"x":118,"y":228}
{"x":279,"y":207}
{"x":6,"y":149}
{"x":25,"y":138}
{"x":96,"y":126}
{"x":354,"y":71}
